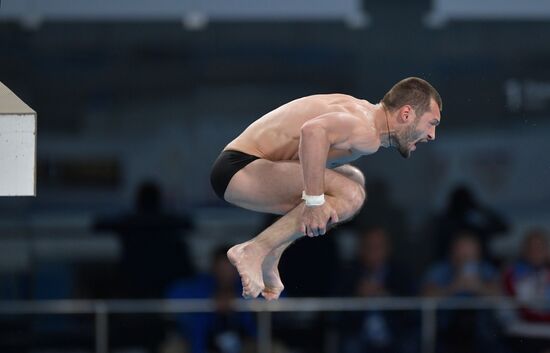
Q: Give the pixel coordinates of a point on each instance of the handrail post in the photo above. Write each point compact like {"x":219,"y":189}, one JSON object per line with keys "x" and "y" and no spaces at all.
{"x":429,"y":325}
{"x":264,"y":331}
{"x":101,"y":328}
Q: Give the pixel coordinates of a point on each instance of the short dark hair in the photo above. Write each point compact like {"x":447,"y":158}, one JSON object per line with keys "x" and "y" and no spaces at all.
{"x":413,"y":91}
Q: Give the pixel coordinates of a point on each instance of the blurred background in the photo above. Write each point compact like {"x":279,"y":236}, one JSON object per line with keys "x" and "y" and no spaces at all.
{"x":135,"y":100}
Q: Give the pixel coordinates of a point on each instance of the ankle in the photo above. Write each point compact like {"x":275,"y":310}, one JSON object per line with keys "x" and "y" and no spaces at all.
{"x":258,"y":248}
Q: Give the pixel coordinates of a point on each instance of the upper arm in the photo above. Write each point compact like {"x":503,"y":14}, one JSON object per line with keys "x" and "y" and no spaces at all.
{"x":339,"y":127}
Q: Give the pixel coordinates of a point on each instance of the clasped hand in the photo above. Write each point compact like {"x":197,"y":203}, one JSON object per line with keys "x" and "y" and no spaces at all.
{"x":316,"y":218}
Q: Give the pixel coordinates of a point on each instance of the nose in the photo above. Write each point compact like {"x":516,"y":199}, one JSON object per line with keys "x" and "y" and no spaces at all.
{"x":431,"y":135}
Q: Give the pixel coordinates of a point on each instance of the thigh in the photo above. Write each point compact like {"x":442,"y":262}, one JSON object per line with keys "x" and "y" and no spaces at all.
{"x":275,"y":187}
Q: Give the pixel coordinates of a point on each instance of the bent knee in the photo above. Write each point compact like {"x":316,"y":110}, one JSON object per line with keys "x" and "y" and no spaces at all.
{"x":353,"y":198}
{"x":357,"y":176}
{"x":359,"y":197}
{"x":352,"y":173}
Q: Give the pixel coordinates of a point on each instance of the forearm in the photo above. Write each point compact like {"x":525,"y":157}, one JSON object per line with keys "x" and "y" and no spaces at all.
{"x":314,"y":147}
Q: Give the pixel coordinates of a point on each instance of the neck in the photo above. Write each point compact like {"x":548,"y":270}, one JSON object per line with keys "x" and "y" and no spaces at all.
{"x":383,"y":125}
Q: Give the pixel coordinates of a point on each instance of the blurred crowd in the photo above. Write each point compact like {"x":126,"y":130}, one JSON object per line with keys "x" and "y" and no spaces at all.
{"x":457,"y":263}
{"x":460,"y":264}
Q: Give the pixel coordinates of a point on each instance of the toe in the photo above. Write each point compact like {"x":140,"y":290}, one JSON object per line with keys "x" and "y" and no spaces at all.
{"x":272,"y":293}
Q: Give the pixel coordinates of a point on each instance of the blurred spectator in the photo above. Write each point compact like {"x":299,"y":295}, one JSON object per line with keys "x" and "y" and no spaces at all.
{"x":528,"y":280}
{"x":464,"y":274}
{"x":381,"y":210}
{"x":153,"y":251}
{"x":314,"y":277}
{"x":223,"y":331}
{"x":465,"y":212}
{"x":373,"y":274}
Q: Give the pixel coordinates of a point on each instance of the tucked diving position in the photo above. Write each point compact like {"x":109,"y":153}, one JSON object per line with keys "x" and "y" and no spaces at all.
{"x":293,"y":162}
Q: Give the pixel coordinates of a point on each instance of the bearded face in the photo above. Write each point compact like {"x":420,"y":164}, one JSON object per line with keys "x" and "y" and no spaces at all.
{"x":406,"y":139}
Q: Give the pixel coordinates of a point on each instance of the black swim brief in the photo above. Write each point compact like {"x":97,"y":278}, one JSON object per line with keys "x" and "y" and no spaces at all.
{"x":227,"y":164}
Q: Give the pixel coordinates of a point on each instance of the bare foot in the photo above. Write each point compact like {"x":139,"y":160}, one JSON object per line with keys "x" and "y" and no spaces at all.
{"x":248,"y":262}
{"x":272,"y":280}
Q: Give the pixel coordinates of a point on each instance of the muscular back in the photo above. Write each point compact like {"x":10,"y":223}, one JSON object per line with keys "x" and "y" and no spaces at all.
{"x":276,"y":135}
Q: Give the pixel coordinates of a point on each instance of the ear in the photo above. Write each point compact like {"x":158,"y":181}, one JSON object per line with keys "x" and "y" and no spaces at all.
{"x":406,"y":114}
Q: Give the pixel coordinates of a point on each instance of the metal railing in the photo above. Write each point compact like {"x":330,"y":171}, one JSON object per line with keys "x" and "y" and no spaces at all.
{"x":102,"y":308}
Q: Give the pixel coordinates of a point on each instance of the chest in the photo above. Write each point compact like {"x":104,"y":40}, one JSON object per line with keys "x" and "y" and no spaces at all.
{"x":339,"y":157}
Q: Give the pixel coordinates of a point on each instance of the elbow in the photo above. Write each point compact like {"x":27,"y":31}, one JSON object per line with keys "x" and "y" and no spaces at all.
{"x":312,"y":130}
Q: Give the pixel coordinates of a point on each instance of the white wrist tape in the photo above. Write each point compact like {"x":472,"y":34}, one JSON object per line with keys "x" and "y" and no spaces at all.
{"x":313,"y":200}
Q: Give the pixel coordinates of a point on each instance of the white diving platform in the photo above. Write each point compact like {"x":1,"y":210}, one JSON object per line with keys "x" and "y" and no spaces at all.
{"x":17,"y":146}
